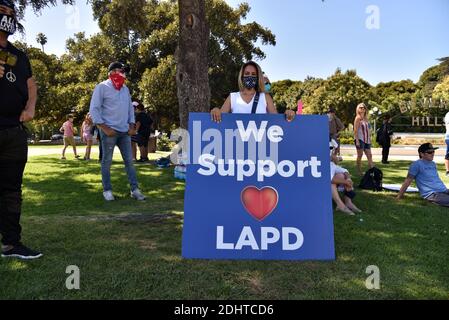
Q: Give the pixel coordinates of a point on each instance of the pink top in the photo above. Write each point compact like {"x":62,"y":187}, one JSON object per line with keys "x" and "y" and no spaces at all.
{"x":87,"y":128}
{"x":68,"y":129}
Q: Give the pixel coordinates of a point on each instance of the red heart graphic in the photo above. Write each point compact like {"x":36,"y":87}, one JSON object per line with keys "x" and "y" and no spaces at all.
{"x":259,"y":202}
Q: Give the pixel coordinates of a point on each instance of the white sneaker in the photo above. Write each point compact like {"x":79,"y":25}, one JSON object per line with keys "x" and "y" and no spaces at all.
{"x":136,"y":194}
{"x":108,"y":196}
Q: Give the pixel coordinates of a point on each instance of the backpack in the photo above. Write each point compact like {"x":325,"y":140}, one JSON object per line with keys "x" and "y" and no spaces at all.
{"x":372,"y":180}
{"x":163,"y":162}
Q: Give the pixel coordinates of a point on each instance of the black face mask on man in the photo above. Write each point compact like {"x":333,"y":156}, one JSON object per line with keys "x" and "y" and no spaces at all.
{"x":8,"y":23}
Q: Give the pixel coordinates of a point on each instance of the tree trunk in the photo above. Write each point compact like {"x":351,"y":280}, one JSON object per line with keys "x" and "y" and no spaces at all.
{"x":192,"y":62}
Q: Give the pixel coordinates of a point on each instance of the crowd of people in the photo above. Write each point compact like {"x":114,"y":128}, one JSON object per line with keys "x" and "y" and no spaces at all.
{"x":112,"y":118}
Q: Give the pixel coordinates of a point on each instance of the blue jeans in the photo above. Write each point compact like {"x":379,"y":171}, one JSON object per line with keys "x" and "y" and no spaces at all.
{"x":123,"y":141}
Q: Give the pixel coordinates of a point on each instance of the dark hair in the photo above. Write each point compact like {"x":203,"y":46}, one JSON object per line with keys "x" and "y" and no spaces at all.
{"x":69,"y":116}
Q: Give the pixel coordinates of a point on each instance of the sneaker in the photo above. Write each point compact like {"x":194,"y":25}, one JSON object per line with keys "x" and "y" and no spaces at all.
{"x":62,"y":158}
{"x":108,"y":196}
{"x":21,"y":252}
{"x":77,"y":156}
{"x":136,"y":194}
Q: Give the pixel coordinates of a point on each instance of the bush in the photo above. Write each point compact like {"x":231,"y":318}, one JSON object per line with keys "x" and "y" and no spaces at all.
{"x":164,"y":143}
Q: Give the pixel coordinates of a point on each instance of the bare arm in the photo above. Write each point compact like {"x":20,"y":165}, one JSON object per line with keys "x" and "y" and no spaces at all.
{"x":337,"y":180}
{"x":30,"y":108}
{"x":405,"y":185}
{"x":356,"y":129}
{"x":270,"y":104}
{"x":216,"y":112}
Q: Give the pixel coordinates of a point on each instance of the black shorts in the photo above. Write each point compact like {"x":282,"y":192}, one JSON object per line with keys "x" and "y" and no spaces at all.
{"x":142,"y":140}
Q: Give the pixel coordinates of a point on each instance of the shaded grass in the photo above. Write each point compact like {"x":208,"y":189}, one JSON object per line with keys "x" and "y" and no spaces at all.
{"x":140,"y":257}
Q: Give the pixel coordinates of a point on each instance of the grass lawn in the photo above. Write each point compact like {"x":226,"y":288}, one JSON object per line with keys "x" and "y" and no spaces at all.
{"x":132,"y":250}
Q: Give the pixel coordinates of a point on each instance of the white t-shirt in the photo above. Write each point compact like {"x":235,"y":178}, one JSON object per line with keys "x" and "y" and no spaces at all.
{"x":238,"y":105}
{"x":336,"y":169}
{"x":446,"y":122}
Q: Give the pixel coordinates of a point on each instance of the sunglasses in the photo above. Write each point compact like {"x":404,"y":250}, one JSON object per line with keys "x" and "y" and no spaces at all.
{"x":430,"y":152}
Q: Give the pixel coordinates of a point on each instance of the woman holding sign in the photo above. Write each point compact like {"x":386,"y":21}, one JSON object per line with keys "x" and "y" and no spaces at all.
{"x":251,"y":98}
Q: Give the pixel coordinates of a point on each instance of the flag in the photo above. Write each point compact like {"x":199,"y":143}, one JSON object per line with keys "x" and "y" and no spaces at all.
{"x":300,"y":106}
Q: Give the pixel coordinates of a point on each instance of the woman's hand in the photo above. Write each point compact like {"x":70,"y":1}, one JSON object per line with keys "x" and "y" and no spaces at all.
{"x":357,"y":143}
{"x":290,"y":115}
{"x":216,"y":115}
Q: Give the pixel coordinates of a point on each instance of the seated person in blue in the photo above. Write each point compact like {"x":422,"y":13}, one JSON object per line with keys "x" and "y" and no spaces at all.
{"x":424,"y":171}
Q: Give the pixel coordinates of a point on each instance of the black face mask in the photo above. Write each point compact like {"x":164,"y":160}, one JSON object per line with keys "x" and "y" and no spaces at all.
{"x":250,"y":81}
{"x":8,"y":23}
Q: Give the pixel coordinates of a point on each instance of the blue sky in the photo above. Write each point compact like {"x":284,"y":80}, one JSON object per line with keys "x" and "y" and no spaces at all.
{"x":313,"y":37}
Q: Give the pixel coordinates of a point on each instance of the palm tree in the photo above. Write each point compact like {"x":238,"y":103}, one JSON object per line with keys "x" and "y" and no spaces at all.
{"x":41,"y":39}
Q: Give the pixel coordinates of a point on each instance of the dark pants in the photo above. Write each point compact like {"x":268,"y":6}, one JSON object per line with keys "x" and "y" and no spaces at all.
{"x":385,"y":152}
{"x":440,"y":198}
{"x":13,"y":157}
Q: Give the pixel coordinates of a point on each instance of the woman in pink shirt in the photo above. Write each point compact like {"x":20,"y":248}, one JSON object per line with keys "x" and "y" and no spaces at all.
{"x":86,"y":134}
{"x":69,"y":139}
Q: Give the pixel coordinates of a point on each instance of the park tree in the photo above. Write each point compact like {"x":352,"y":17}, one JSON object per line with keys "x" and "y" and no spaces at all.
{"x":192,"y":61}
{"x":341,"y":91}
{"x":441,"y":91}
{"x":229,"y":42}
{"x":41,"y":39}
{"x":158,"y":87}
{"x":146,"y":34}
{"x":433,"y":76}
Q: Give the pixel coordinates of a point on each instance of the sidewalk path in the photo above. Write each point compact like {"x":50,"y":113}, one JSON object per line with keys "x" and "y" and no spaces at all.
{"x":409,"y":153}
{"x":34,"y":151}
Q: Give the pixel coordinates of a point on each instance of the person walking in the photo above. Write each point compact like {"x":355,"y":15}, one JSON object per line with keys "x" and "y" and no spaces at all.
{"x":69,"y":136}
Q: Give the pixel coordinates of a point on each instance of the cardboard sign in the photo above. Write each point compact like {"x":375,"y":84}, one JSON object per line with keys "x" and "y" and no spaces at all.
{"x":258,"y":187}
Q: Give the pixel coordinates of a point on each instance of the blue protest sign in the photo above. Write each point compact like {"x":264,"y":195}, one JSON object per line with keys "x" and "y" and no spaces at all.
{"x":258,"y":187}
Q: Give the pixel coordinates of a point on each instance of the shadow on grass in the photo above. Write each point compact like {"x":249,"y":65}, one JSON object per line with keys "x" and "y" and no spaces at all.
{"x":52,"y":186}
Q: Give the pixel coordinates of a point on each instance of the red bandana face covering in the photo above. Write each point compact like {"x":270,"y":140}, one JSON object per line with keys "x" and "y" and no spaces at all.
{"x":117,"y":80}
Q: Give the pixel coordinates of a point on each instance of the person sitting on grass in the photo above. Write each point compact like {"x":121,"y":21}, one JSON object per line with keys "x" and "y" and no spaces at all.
{"x":341,"y":181}
{"x":424,"y":172}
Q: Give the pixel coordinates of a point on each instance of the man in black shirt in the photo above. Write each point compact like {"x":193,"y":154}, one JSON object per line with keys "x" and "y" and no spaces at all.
{"x":18,"y":94}
{"x":143,"y":127}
